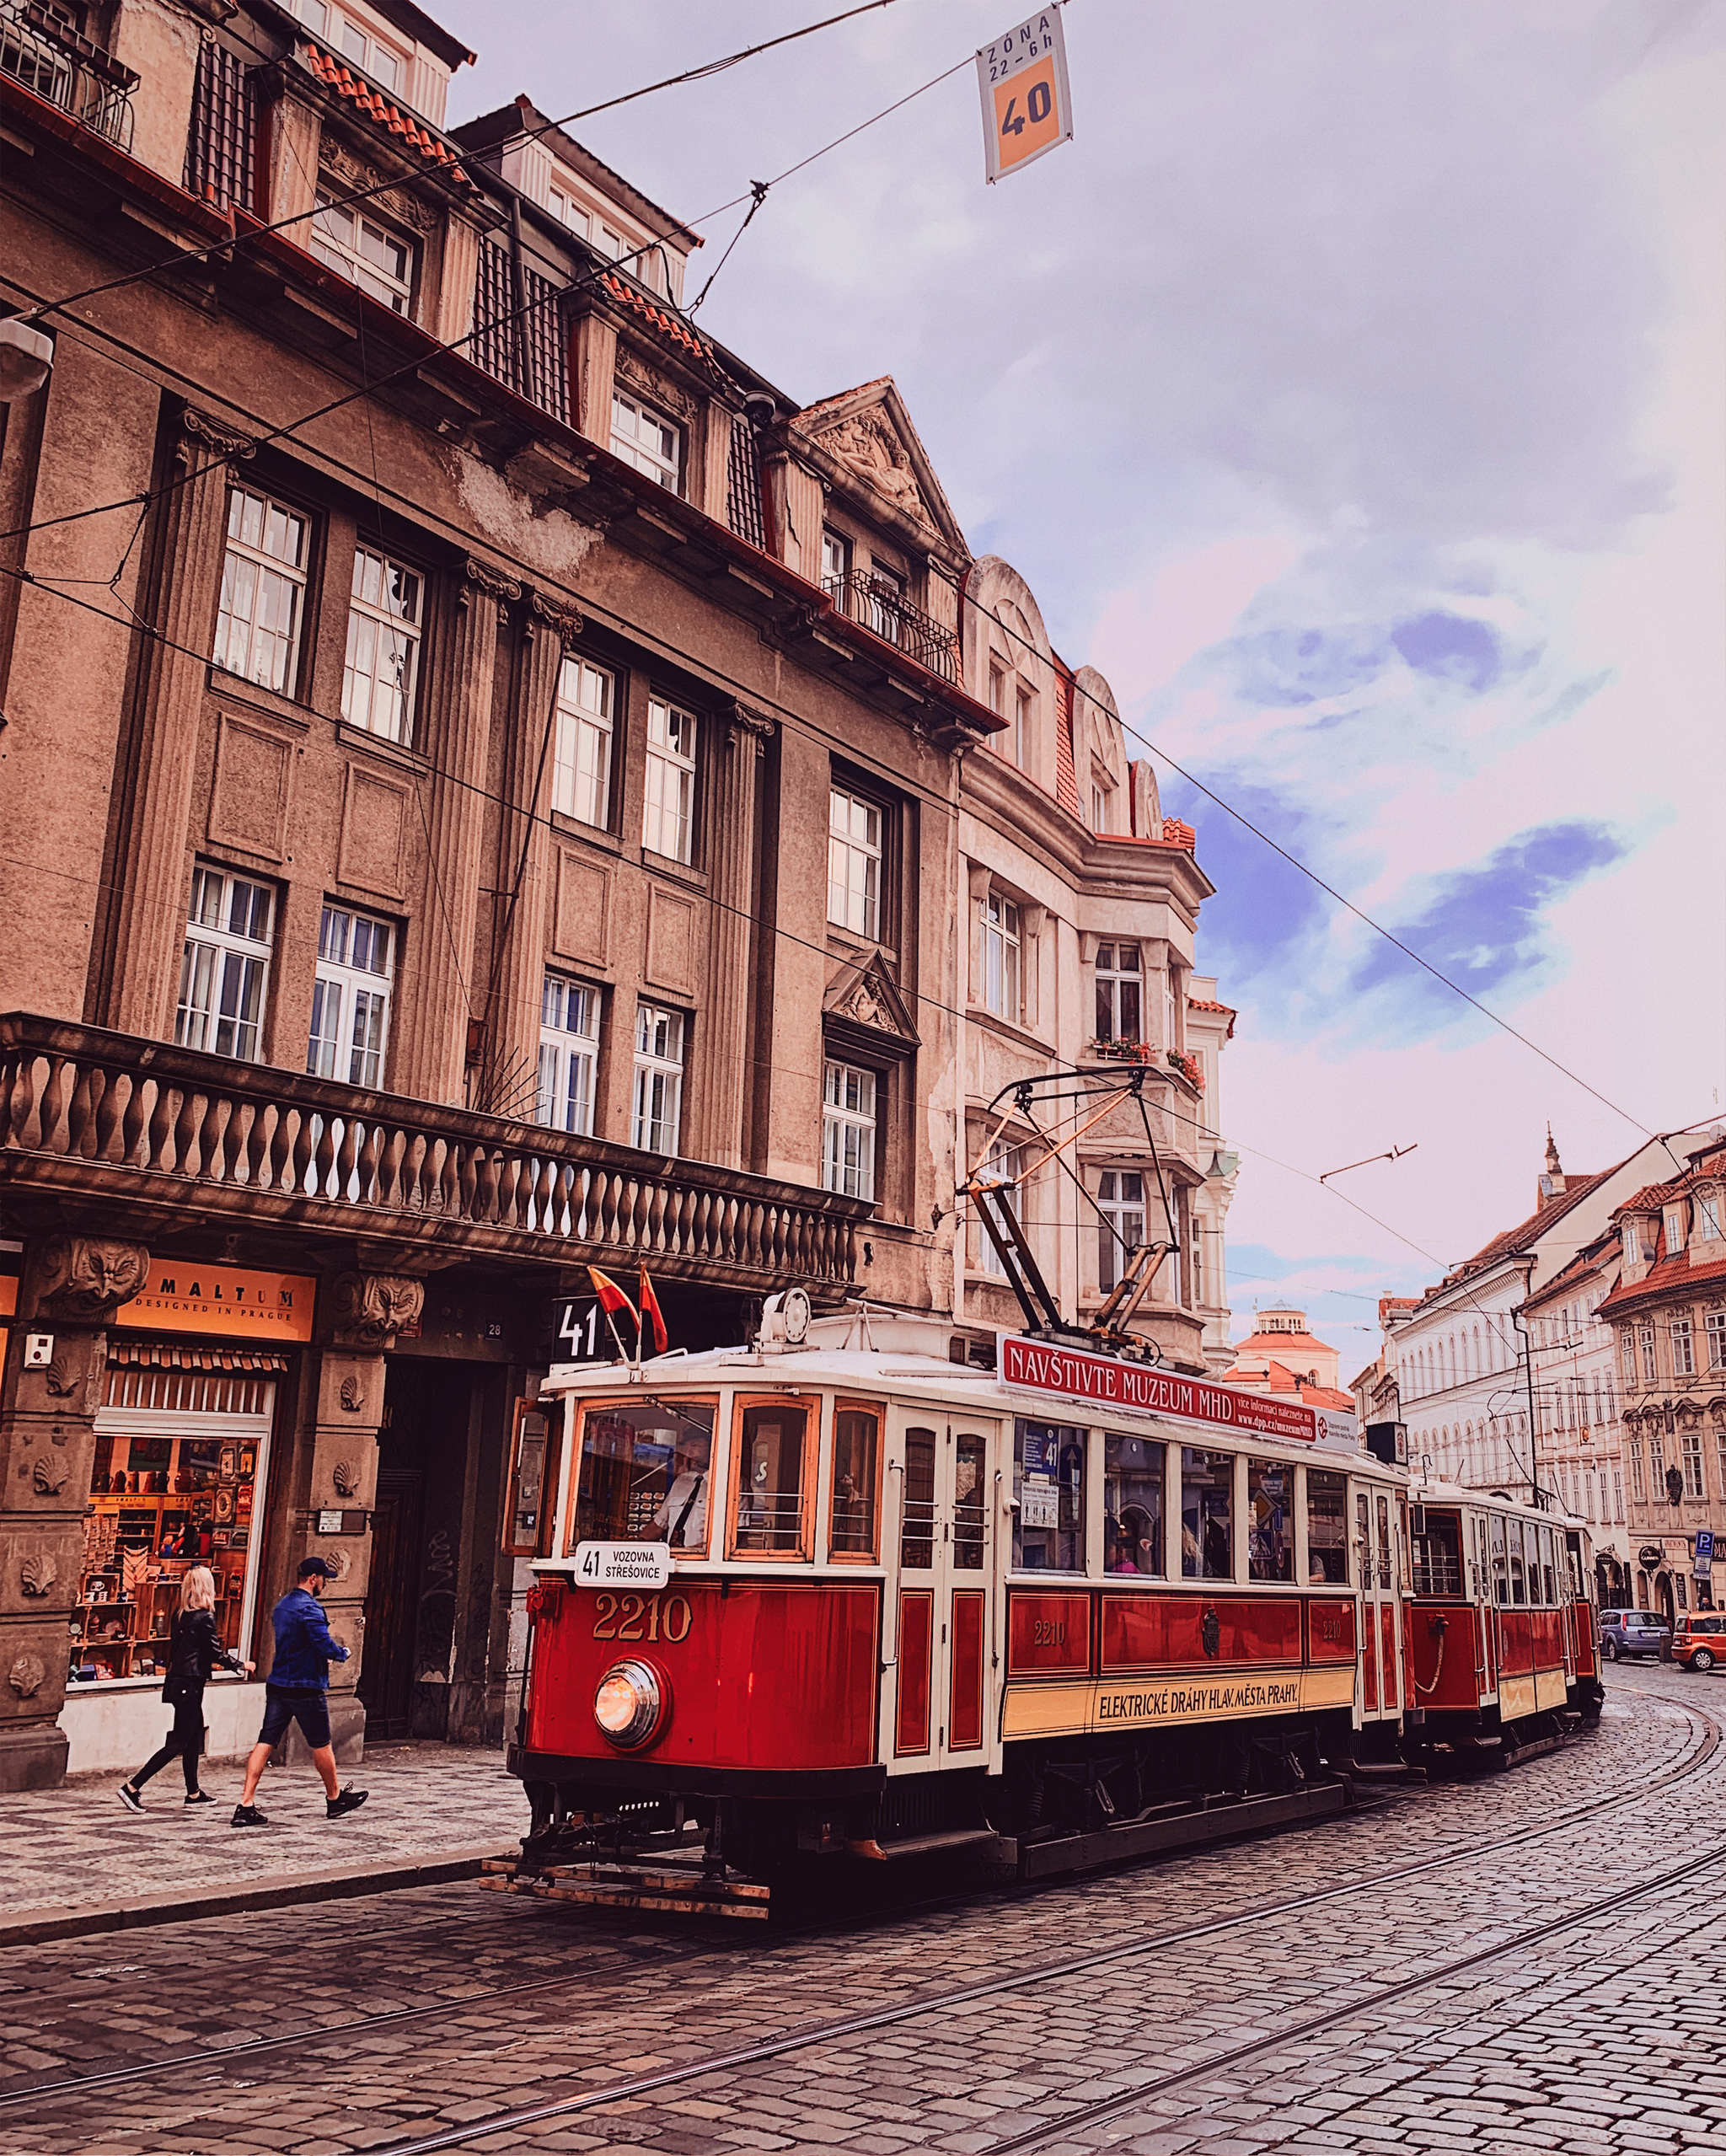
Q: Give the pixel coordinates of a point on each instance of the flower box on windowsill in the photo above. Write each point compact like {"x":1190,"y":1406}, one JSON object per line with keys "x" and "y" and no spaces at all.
{"x":1187,"y":1066}
{"x":1123,"y":1051}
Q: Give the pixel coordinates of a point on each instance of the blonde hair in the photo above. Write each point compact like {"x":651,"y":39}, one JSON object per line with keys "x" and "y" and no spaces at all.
{"x":197,"y":1591}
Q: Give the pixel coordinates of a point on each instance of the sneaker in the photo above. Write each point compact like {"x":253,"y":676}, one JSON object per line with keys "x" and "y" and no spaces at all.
{"x":200,"y":1797}
{"x":129,"y":1798}
{"x":351,"y":1800}
{"x":247,"y":1816}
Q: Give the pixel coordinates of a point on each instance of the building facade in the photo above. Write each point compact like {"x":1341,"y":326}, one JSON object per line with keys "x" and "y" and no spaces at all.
{"x":1576,"y":1397}
{"x":498,"y":789}
{"x":1283,"y":1359}
{"x":1667,"y":1316}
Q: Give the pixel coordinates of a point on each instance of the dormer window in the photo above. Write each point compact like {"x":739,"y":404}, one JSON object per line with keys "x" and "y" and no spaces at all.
{"x":345,"y":36}
{"x":1707,"y":1215}
{"x":367,"y":254}
{"x":1632,"y":1244}
{"x":568,"y":212}
{"x":1674,"y":1229}
{"x":641,"y":437}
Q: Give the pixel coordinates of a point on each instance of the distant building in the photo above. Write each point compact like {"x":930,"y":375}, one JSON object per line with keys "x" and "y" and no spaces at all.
{"x":1576,"y":1404}
{"x":1282,"y":1359}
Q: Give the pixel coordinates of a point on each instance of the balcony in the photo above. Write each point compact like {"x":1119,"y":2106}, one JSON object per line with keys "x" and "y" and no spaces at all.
{"x":166,"y":1134}
{"x":877,"y":604}
{"x":48,"y":56}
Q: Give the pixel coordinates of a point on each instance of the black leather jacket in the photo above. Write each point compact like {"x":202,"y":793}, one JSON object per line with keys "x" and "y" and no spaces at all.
{"x":194,"y":1650}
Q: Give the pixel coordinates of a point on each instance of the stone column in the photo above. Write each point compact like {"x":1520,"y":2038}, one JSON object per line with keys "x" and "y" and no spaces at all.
{"x":336,"y":1469}
{"x":517,"y":968}
{"x":149,"y":922}
{"x":72,"y":1286}
{"x":725,"y":1020}
{"x":433,"y":1035}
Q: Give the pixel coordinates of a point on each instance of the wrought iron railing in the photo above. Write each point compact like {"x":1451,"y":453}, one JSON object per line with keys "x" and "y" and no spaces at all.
{"x":878,"y":604}
{"x":164,"y":1130}
{"x":62,"y":69}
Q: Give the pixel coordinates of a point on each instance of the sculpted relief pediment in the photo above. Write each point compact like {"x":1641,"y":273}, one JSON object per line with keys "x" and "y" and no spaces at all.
{"x":869,"y":445}
{"x":864,"y":995}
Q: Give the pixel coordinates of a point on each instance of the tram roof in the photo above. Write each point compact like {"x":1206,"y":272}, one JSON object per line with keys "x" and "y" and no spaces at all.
{"x":1434,"y":1489}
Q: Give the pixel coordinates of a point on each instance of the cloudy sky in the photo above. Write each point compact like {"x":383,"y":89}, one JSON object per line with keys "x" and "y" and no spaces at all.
{"x":1350,"y":391}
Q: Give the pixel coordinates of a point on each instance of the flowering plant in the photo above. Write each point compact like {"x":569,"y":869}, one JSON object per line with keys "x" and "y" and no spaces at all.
{"x":1123,"y":1051}
{"x":1188,"y":1065}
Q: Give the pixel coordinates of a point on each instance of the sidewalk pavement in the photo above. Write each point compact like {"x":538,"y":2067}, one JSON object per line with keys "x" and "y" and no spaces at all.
{"x":74,"y":1860}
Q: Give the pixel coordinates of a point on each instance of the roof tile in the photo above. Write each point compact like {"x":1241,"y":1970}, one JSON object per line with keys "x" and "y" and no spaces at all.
{"x":359,"y":92}
{"x":668,"y":325}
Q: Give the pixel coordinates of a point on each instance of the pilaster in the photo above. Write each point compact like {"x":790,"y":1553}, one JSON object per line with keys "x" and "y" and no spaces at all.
{"x":150,"y":926}
{"x":433,"y":1036}
{"x":72,"y":1286}
{"x":742,"y":734}
{"x":512,"y":1021}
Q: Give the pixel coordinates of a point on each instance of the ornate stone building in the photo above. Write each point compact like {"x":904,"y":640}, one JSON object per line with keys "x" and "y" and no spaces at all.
{"x":1667,"y":1313}
{"x":493,"y":787}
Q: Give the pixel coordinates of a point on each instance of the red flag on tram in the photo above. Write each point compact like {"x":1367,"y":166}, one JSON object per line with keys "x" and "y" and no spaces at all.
{"x":612,"y":1298}
{"x":653,"y":1314}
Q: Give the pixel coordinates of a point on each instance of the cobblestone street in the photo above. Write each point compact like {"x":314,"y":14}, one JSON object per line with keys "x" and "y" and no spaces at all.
{"x":1435,"y":1973}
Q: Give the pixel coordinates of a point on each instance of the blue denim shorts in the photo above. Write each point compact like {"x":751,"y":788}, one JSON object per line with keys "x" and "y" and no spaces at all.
{"x":303,"y":1703}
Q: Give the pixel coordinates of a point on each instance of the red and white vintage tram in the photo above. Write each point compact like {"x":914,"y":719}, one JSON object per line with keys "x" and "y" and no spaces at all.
{"x":835,"y":1597}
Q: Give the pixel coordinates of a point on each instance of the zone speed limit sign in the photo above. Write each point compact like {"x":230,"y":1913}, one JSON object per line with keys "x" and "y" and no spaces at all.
{"x":1026,"y":106}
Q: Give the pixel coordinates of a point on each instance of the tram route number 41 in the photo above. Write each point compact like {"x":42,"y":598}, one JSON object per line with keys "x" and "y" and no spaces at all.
{"x":640,"y":1565}
{"x":1026,"y":106}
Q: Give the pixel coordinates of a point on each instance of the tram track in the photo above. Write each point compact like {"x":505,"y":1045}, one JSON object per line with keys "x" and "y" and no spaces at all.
{"x":304,"y":2040}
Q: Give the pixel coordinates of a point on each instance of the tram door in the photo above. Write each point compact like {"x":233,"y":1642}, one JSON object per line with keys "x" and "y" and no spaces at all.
{"x":1378,"y":1569}
{"x":939,"y":1674}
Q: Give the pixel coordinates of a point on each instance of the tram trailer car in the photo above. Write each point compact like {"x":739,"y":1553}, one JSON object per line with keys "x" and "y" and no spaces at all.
{"x":1502,"y":1642}
{"x":835,"y":1601}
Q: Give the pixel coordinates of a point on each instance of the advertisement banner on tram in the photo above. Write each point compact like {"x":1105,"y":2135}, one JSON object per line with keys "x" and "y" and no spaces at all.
{"x":1055,"y":1372}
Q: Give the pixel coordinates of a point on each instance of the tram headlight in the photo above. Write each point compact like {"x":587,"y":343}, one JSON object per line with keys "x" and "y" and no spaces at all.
{"x":630,"y":1704}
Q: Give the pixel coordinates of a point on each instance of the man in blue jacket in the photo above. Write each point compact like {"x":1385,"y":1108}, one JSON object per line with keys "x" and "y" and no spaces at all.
{"x":298,"y":1691}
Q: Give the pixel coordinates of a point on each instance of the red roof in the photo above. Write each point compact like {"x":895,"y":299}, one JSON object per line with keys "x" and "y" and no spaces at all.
{"x":668,"y":325}
{"x":1518,"y":1238}
{"x":1278,"y":1379}
{"x":1666,"y":1276}
{"x":358,"y":91}
{"x":1269,"y":1343}
{"x":1199,"y":1003}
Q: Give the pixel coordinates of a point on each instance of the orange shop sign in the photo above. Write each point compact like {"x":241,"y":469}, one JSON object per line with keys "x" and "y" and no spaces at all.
{"x":186,"y":1296}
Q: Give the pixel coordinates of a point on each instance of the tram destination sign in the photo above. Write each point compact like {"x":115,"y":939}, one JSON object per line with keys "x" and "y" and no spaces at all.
{"x":1073,"y":1374}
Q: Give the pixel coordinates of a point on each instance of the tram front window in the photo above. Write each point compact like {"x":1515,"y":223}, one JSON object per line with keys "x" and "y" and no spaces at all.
{"x":1048,"y":1499}
{"x":1207,"y":1509}
{"x":856,"y":1437}
{"x":1270,"y":1547}
{"x":770,"y":1480}
{"x":1133,"y":1505}
{"x":1326,"y":1528}
{"x":644,"y":1474}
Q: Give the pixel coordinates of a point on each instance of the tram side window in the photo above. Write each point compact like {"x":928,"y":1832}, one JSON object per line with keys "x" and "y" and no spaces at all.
{"x":917,"y":1530}
{"x":1437,"y":1551}
{"x":856,"y":1449}
{"x":1572,"y":1564}
{"x":968,"y":1490}
{"x":1207,"y":1508}
{"x":1385,"y":1578}
{"x":644,"y":1474}
{"x":1132,"y":1504}
{"x":1501,"y":1586}
{"x":770,"y":1480}
{"x":1549,"y":1575}
{"x":1363,"y":1536}
{"x":1326,"y":1528}
{"x":1518,"y":1577}
{"x":1270,"y":1541}
{"x":1049,"y":1495}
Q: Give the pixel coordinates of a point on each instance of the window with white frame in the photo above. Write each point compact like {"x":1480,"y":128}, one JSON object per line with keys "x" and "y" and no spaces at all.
{"x":1646,"y":1335}
{"x":224,"y":972}
{"x":1632,"y":1244}
{"x":1714,"y":1324}
{"x":1002,"y":1166}
{"x":1000,"y":982}
{"x":384,"y":66}
{"x":365,"y":252}
{"x":1690,"y":1458}
{"x":1120,"y":1201}
{"x":848,"y":1130}
{"x":998,"y":691}
{"x":1100,"y":798}
{"x":580,"y":765}
{"x":1674,"y":1229}
{"x":887,"y":601}
{"x":1638,"y":1479}
{"x":567,"y":211}
{"x":1627,"y":1352}
{"x":1024,"y":727}
{"x":1683,"y":1352}
{"x":667,"y":822}
{"x":1706,"y":1215}
{"x":569,"y":1051}
{"x":835,"y":563}
{"x":853,"y":857}
{"x":350,"y":998}
{"x":1171,"y":1008}
{"x":1120,"y":989}
{"x":380,"y":672}
{"x":659,"y":1079}
{"x":643,"y":439}
{"x":263,"y":590}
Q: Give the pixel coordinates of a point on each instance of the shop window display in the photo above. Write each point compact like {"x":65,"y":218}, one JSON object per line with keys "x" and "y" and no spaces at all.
{"x":170,"y":1489}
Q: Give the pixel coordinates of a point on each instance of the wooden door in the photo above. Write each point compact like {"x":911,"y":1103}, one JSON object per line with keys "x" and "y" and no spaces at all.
{"x":392,"y":1605}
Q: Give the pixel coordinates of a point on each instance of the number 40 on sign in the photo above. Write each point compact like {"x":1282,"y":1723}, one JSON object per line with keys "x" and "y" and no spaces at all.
{"x":1026,"y":106}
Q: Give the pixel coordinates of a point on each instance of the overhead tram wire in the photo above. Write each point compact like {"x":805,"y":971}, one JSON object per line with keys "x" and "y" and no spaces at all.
{"x":238,"y":239}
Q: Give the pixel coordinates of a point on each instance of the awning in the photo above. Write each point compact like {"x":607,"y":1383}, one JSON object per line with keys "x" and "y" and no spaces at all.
{"x":167,"y":1355}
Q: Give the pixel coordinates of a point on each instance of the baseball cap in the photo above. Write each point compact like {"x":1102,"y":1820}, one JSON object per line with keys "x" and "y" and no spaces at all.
{"x":313,"y":1567}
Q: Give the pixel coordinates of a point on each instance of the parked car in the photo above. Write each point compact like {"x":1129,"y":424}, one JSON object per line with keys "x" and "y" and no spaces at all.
{"x":1633,"y":1632}
{"x":1700,"y":1640}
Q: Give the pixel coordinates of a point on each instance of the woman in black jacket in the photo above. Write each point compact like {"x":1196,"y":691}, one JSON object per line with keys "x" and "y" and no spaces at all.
{"x":194,"y":1650}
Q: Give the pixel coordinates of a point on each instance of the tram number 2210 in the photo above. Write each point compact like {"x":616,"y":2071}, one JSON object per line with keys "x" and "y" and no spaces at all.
{"x":643,"y":1616}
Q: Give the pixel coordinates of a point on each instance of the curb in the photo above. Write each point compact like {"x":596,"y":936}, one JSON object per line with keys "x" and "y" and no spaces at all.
{"x":284,"y":1890}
